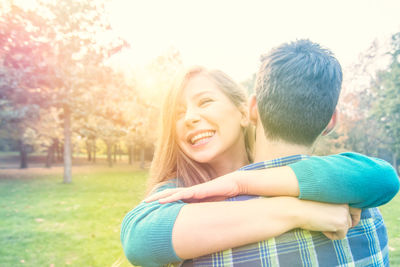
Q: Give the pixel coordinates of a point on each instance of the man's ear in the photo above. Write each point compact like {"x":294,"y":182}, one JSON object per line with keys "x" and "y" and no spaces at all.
{"x":332,"y":123}
{"x":253,"y":109}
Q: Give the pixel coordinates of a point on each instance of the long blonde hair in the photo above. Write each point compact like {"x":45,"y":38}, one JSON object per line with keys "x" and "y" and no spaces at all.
{"x":169,"y":161}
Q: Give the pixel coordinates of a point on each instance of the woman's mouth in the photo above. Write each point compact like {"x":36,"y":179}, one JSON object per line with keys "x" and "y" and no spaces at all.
{"x":201,"y":138}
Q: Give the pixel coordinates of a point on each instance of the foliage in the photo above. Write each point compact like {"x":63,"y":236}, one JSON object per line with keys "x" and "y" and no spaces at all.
{"x":386,"y":107}
{"x":57,"y":87}
{"x":79,"y":97}
{"x":22,"y":75}
{"x":248,"y":84}
{"x":370,"y":105}
{"x":49,"y":63}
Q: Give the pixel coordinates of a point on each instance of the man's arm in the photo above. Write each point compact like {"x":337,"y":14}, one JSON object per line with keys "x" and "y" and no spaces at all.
{"x":351,"y":178}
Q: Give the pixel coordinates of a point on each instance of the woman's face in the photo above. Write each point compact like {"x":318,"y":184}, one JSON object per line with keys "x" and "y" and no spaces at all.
{"x":208,"y":124}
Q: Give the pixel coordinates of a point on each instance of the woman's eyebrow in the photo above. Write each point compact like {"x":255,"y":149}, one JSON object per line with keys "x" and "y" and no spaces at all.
{"x":199,"y":94}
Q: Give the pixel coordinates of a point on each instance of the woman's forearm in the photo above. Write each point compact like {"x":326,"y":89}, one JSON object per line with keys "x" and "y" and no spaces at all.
{"x":351,"y":178}
{"x":279,"y":181}
{"x":205,"y":228}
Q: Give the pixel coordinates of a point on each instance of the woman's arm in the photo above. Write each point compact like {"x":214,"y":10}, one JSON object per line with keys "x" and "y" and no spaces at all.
{"x":350,"y":178}
{"x":146,"y":232}
{"x":154,"y":234}
{"x":204,"y":228}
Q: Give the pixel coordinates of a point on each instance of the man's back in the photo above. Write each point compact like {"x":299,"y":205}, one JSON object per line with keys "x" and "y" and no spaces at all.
{"x":365,"y":245}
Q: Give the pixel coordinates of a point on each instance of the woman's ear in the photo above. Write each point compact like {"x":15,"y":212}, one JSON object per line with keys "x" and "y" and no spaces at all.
{"x":332,"y":123}
{"x":253,"y":109}
{"x":244,"y":121}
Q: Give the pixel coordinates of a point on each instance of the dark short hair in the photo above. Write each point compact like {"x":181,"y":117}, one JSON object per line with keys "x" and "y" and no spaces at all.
{"x":297,"y":89}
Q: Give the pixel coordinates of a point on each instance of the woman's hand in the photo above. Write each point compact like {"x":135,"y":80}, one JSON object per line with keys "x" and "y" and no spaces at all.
{"x":341,"y":233}
{"x":251,"y":182}
{"x":218,"y":189}
{"x":333,"y":220}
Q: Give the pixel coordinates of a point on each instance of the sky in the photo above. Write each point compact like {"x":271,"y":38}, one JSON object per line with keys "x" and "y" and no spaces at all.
{"x":231,"y":35}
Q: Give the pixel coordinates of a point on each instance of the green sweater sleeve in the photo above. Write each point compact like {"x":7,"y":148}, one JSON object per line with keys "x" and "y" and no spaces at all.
{"x":146,"y":232}
{"x":352,"y":178}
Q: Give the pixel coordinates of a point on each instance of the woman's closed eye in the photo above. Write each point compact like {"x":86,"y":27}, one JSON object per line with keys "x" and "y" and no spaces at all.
{"x":205,"y":101}
{"x":180,"y":113}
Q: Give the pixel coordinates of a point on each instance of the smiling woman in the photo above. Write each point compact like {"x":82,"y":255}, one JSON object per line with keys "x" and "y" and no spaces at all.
{"x":197,"y":140}
{"x":203,"y":131}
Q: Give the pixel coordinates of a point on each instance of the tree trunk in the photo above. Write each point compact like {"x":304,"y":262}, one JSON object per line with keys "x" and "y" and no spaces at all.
{"x":67,"y":146}
{"x":142,"y":154}
{"x":130,"y":154}
{"x":115,"y":153}
{"x":94,"y":149}
{"x":23,"y":154}
{"x":56,"y":149}
{"x":89,"y":150}
{"x":133,"y":154}
{"x":60,"y":147}
{"x":50,"y":155}
{"x":109,"y":154}
{"x":120,"y":153}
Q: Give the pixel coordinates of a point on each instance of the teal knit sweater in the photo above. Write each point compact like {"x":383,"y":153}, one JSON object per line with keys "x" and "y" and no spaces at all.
{"x":363,"y":182}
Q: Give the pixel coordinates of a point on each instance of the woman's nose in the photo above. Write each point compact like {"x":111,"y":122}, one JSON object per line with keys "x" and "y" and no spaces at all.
{"x":191,"y":117}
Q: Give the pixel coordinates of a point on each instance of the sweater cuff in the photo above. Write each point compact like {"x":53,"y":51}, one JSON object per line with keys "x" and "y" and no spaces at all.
{"x":309,"y":187}
{"x":161,"y":237}
{"x":146,"y":233}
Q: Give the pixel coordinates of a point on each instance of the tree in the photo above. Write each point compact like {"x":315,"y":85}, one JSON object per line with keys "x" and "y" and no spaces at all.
{"x":386,"y":107}
{"x":48,"y":59}
{"x":22,"y":74}
{"x":81,"y":39}
{"x":249,"y":83}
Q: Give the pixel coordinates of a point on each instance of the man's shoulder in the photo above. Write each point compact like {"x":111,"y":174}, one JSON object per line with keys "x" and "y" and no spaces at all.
{"x":275,"y":162}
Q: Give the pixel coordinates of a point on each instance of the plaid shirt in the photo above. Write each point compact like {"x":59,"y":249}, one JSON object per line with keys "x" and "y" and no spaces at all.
{"x":365,"y":245}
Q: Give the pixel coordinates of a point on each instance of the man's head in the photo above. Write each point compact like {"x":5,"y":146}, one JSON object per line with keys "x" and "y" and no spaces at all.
{"x":297,"y":89}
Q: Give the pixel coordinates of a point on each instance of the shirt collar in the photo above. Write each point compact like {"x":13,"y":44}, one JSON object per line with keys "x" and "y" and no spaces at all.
{"x":278,"y":162}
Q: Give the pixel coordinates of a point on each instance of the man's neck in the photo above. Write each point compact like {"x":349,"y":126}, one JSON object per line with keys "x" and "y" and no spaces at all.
{"x":266,"y":149}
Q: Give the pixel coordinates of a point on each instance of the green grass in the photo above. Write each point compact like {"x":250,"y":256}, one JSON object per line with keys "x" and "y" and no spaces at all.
{"x":45,"y":222}
{"x":391,"y":215}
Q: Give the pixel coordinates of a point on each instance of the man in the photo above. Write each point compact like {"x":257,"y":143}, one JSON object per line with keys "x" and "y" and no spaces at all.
{"x":297,"y":90}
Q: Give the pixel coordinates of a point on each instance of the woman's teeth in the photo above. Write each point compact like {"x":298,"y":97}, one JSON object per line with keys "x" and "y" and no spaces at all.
{"x":201,"y":136}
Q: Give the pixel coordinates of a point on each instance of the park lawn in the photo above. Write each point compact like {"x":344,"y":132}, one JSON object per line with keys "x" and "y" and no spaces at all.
{"x":391,"y":216}
{"x":45,"y":222}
